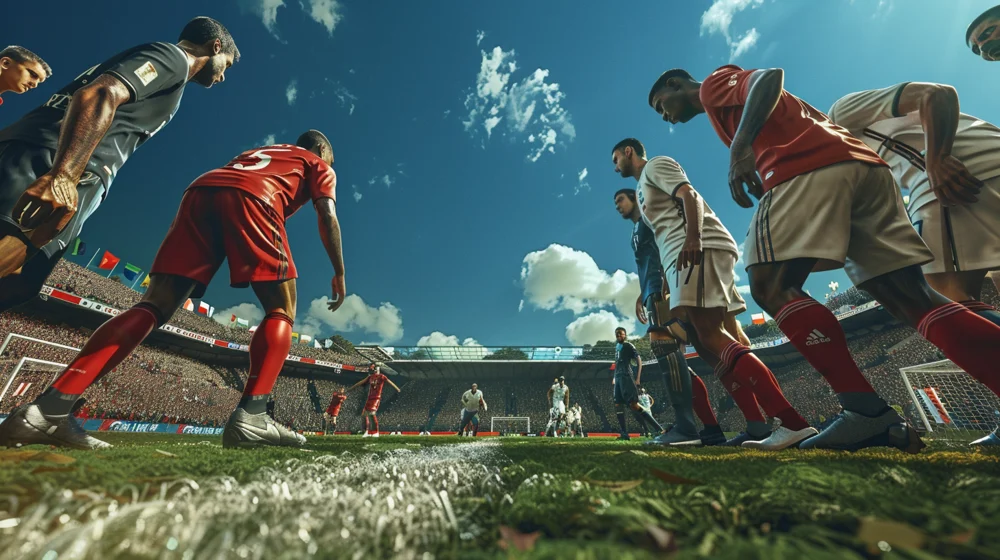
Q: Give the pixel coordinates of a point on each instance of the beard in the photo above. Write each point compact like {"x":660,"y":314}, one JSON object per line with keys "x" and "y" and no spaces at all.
{"x":991,"y":49}
{"x":206,"y":76}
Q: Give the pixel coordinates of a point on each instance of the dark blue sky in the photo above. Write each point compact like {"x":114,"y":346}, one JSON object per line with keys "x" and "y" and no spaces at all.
{"x":447,"y":214}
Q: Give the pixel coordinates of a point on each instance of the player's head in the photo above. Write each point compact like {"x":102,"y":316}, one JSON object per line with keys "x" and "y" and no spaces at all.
{"x":626,"y":156}
{"x":317,"y":143}
{"x":205,"y":37}
{"x":21,"y":69}
{"x":625,"y":202}
{"x":620,"y":334}
{"x":983,"y":35}
{"x":562,"y":380}
{"x":674,"y":96}
{"x":475,"y":387}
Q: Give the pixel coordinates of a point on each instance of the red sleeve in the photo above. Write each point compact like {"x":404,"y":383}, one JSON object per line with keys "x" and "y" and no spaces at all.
{"x":726,"y":87}
{"x":321,"y":179}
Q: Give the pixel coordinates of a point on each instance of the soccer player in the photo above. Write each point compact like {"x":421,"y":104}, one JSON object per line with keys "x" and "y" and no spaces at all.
{"x":646,"y":402}
{"x":333,"y":409}
{"x":983,"y":35}
{"x":576,"y":426}
{"x":21,"y":70}
{"x":57,"y":163}
{"x":686,"y":391}
{"x":558,"y":397}
{"x":624,"y":391}
{"x":472,"y":402}
{"x":827,"y":200}
{"x":699,"y":257}
{"x":235,"y":213}
{"x":376,"y":381}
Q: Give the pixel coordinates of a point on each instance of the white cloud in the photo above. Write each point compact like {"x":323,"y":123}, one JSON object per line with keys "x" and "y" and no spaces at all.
{"x":446,"y":113}
{"x":354,"y":315}
{"x":291,"y":92}
{"x":719,"y":18}
{"x":582,"y":184}
{"x":560,"y":278}
{"x":467,"y":349}
{"x":438,"y":338}
{"x":387,"y":180}
{"x":249,"y":311}
{"x":269,"y":140}
{"x":743,"y":290}
{"x":671,"y":129}
{"x":596,"y":326}
{"x":326,"y":13}
{"x":357,"y":193}
{"x":520,"y":306}
{"x":266,"y":9}
{"x":480,"y":35}
{"x":346,"y":98}
{"x":530,"y":108}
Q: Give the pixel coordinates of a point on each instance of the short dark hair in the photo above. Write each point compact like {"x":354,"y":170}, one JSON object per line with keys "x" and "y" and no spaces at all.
{"x":636,"y":146}
{"x":662,"y":81}
{"x":22,"y":55}
{"x":990,"y":13}
{"x":621,"y":329}
{"x":629,"y":193}
{"x":203,"y":29}
{"x":311,"y":139}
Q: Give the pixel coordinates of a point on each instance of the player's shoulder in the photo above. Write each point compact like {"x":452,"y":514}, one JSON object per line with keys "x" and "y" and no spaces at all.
{"x":731,"y":71}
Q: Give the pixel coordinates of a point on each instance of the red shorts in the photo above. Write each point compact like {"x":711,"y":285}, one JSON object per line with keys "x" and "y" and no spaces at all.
{"x":214,"y":224}
{"x":372,"y":404}
{"x":334,"y":411}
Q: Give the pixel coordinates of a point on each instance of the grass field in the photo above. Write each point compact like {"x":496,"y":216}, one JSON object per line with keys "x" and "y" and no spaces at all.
{"x":345,"y":497}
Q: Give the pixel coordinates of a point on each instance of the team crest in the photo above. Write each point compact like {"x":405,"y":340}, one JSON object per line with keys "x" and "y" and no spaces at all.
{"x":146,"y":73}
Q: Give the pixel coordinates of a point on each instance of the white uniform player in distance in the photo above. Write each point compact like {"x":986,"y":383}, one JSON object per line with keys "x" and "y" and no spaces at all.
{"x":472,"y":402}
{"x":576,"y":427}
{"x":646,"y":401}
{"x":558,"y":398}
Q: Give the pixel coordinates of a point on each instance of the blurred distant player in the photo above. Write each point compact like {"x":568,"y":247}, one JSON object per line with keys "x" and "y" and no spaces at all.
{"x":235,"y":213}
{"x":21,"y":70}
{"x":576,"y":420}
{"x":827,"y":200}
{"x":686,"y":391}
{"x":624,"y":390}
{"x":333,"y":409}
{"x":646,"y":402}
{"x":376,"y":381}
{"x":57,"y":162}
{"x":472,"y":402}
{"x":558,"y":397}
{"x":699,"y":259}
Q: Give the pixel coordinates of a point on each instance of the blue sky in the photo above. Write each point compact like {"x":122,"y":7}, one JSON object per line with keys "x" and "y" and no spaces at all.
{"x":448,"y":230}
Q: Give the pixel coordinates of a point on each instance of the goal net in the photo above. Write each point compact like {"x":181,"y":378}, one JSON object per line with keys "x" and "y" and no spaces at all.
{"x":950,"y":403}
{"x":510,"y":424}
{"x":27,"y":367}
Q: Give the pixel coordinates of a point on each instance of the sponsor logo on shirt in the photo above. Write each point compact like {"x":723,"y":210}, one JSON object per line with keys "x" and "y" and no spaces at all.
{"x":733,"y":80}
{"x":768,"y":176}
{"x":146,"y":73}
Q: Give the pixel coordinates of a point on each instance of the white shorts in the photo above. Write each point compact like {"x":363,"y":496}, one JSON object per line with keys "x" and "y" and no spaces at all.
{"x":558,"y":408}
{"x":710,"y":284}
{"x":968,"y":236}
{"x":849,"y":214}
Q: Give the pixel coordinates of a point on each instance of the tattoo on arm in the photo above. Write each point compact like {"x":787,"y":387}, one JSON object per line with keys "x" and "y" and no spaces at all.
{"x":87,"y":120}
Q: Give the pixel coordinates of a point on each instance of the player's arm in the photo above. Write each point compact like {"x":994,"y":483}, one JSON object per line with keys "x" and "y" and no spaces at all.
{"x":549,"y":396}
{"x":638,"y":373}
{"x":482,"y":402}
{"x":763,"y":92}
{"x":939,"y":112}
{"x":694,"y":222}
{"x":389,"y":381}
{"x":358,"y":384}
{"x":329,"y":234}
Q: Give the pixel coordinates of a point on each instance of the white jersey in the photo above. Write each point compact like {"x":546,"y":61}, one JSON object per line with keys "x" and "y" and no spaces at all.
{"x":873,"y":116}
{"x":571,"y":415}
{"x":559,"y":393}
{"x":645,"y":401}
{"x":664,"y":213}
{"x":471,"y":401}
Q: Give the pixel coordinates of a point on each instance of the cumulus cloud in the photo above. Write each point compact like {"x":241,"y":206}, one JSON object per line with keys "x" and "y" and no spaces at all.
{"x":249,"y":311}
{"x":324,"y":12}
{"x":529,"y":109}
{"x":292,"y":92}
{"x":446,"y":347}
{"x":354,"y":315}
{"x":596,"y":326}
{"x":438,"y":338}
{"x":719,"y":19}
{"x":267,"y":10}
{"x":560,"y":278}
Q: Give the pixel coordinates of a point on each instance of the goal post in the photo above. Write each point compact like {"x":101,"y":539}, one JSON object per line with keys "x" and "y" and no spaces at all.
{"x":950,"y":403}
{"x":32,"y":376}
{"x":509,"y":422}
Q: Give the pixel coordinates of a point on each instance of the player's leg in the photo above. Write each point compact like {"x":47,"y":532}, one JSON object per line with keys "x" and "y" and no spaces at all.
{"x":669,"y":354}
{"x":475,"y":425}
{"x":619,"y":399}
{"x":965,"y":287}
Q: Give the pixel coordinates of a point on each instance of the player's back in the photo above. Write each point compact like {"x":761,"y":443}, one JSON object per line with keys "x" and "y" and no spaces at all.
{"x":283,"y":176}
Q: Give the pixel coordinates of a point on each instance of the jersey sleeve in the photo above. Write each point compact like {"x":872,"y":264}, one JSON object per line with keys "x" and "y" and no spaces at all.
{"x":857,"y":111}
{"x":726,"y":87}
{"x":151,"y":69}
{"x":666,"y":174}
{"x":321,"y":179}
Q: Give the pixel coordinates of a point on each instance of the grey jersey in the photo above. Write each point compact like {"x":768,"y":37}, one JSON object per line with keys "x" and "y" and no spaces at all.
{"x":155,"y":75}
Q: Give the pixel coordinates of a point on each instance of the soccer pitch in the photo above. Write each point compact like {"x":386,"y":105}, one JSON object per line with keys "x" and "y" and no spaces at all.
{"x":157,"y":496}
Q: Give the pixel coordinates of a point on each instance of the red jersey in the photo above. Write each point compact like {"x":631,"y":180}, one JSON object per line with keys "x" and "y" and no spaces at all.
{"x":796,"y":139}
{"x":335,"y":402}
{"x":283,"y":176}
{"x":376,"y":382}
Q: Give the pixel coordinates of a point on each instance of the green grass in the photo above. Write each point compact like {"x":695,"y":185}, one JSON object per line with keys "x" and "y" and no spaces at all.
{"x":185,"y":497}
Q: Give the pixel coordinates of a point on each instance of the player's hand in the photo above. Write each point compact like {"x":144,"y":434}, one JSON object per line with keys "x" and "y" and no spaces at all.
{"x":691,"y":253}
{"x":640,"y":310}
{"x":339,"y":293}
{"x":952,"y":182}
{"x":743,"y":170}
{"x":50,"y":200}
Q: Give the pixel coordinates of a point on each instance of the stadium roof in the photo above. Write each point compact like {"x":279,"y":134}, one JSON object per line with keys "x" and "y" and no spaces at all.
{"x":483,"y":370}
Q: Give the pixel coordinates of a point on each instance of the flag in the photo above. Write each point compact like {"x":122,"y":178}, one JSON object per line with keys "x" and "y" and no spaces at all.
{"x":242,"y":322}
{"x":253,"y":329}
{"x":203,"y":308}
{"x":211,"y":310}
{"x":305,"y":339}
{"x":108,"y":261}
{"x":189,"y":305}
{"x":145,"y":283}
{"x":131,"y":272}
{"x":79,"y":247}
{"x":328,"y":343}
{"x":295,"y":337}
{"x":316,"y":344}
{"x":758,"y":318}
{"x":232,"y":319}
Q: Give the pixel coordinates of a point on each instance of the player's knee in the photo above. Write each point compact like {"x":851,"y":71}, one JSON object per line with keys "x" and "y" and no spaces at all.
{"x":619,"y":408}
{"x":161,"y":318}
{"x":766,"y":288}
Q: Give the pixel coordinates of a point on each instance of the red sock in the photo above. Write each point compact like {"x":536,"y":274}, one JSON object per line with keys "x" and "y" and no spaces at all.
{"x":816,"y":334}
{"x":702,"y":406}
{"x":107,"y":347}
{"x":746,"y":369}
{"x":742,"y":395}
{"x":268,"y":349}
{"x":967,"y":339}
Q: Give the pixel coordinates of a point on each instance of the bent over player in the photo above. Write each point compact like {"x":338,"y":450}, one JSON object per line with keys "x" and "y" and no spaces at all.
{"x":376,"y":381}
{"x":333,"y":409}
{"x":235,"y":213}
{"x":57,"y":162}
{"x":826,"y":200}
